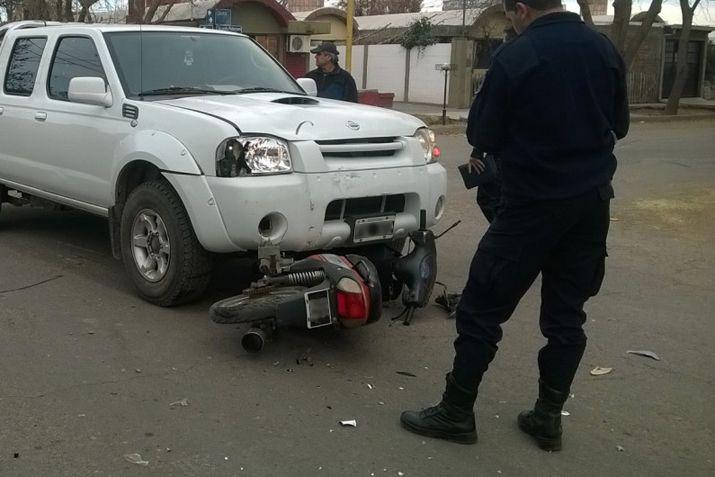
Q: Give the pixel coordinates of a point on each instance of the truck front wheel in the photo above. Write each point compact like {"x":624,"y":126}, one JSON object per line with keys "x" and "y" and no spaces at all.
{"x":160,"y":250}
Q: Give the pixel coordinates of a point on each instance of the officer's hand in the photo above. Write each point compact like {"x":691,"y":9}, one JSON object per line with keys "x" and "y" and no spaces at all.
{"x":476,"y":165}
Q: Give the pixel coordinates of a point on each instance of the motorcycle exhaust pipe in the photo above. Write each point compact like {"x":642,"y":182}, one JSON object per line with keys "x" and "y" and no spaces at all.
{"x":254,"y":340}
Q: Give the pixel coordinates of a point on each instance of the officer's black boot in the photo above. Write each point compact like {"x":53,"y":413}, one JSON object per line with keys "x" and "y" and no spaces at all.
{"x":452,"y":419}
{"x":544,"y":422}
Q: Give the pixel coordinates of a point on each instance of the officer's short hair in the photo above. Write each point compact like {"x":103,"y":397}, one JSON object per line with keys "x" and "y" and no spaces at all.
{"x":535,"y":4}
{"x":333,"y":57}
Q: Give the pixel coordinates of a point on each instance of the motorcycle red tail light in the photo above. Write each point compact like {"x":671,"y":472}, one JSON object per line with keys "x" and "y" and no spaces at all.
{"x":352,"y":307}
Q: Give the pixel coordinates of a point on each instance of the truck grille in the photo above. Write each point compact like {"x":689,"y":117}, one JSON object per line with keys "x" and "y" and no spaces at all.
{"x":365,"y":206}
{"x":366,"y":147}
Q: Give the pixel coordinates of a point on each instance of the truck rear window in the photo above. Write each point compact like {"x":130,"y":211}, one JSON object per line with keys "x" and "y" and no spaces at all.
{"x":23,"y":66}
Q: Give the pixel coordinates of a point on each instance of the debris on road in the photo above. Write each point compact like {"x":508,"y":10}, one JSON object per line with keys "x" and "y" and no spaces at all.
{"x":369,"y":386}
{"x":565,"y":413}
{"x":620,"y":448}
{"x":182,"y":402}
{"x":304,"y":359}
{"x":645,"y":353}
{"x":136,"y":459}
{"x":405,"y":373}
{"x":599,"y":371}
{"x":31,"y":285}
{"x":138,"y":371}
{"x":349,"y":423}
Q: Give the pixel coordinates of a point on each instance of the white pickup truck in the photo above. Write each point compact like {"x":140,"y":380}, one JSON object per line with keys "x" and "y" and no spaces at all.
{"x":195,"y":142}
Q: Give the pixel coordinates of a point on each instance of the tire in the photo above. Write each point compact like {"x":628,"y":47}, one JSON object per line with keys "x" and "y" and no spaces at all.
{"x":247,"y":309}
{"x":176,"y":269}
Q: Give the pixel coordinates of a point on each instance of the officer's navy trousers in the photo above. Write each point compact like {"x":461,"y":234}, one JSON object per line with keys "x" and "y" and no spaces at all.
{"x":565,"y":241}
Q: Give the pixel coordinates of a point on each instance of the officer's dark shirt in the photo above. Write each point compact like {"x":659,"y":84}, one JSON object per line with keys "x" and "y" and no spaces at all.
{"x":338,"y":84}
{"x":550,"y":105}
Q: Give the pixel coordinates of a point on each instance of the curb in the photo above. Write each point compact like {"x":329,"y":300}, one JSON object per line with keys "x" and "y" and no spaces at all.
{"x":645,"y":118}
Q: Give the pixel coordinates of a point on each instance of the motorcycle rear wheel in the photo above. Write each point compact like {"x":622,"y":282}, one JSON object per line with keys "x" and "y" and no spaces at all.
{"x":248,"y":309}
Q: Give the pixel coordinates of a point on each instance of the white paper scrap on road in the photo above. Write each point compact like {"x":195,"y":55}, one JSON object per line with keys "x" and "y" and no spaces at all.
{"x":350,"y":423}
{"x":646,"y":353}
{"x":136,"y":459}
{"x":599,"y":371}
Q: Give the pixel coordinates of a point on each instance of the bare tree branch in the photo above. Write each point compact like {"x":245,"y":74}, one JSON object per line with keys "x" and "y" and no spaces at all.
{"x":166,"y":12}
{"x":646,"y":24}
{"x":621,"y":19}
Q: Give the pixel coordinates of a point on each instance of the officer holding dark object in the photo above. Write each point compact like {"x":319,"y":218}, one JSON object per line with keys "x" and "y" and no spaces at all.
{"x":552,"y":106}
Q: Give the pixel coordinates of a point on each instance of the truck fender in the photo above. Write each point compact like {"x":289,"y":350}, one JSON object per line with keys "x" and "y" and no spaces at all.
{"x":156,"y":147}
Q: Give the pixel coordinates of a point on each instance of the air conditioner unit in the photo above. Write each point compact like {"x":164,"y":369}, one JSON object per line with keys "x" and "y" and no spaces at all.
{"x":299,"y":43}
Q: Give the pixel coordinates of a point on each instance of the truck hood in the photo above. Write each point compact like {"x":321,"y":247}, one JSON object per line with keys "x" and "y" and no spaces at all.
{"x":295,"y":118}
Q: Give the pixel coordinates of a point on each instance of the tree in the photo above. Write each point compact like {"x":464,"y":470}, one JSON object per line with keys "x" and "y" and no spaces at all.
{"x":382,"y":7}
{"x":681,"y":65}
{"x":622,"y":10}
{"x":10,"y":7}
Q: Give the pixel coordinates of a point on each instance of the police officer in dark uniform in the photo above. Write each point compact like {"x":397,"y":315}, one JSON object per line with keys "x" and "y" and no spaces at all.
{"x":552,"y":107}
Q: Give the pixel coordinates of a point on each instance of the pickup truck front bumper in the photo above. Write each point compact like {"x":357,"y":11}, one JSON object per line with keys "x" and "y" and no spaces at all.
{"x":240,"y":213}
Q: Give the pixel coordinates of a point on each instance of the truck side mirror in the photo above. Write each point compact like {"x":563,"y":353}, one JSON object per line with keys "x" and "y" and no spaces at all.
{"x":309,"y":86}
{"x":89,"y":90}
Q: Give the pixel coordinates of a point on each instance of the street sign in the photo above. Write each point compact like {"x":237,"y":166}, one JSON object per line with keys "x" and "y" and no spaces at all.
{"x":233,"y":28}
{"x":218,"y":16}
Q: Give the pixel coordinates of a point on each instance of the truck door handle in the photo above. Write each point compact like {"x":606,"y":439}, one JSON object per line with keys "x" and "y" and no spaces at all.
{"x":2,"y":110}
{"x":40,"y":116}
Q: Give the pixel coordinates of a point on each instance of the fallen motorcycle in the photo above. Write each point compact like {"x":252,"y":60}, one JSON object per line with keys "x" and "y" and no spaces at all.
{"x":326,"y":289}
{"x":321,"y":290}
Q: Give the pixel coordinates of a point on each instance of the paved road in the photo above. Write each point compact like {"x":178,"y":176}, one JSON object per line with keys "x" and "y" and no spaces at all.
{"x":88,"y":371}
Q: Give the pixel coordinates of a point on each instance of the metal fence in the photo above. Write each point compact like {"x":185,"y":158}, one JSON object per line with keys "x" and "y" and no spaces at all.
{"x":642,"y":88}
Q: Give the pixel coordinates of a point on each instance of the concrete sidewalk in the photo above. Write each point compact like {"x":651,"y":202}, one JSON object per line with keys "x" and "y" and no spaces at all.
{"x":690,"y":108}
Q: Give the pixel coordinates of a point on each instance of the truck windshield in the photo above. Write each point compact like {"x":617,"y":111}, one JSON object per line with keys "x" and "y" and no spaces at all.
{"x":179,"y":63}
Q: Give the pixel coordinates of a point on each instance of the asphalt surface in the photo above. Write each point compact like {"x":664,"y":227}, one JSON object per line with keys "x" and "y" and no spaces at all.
{"x":88,"y":371}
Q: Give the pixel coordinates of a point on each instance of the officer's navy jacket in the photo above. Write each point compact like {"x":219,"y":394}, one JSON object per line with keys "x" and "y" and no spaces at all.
{"x":551,"y":107}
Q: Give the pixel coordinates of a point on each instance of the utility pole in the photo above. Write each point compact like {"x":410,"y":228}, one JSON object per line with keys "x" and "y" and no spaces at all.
{"x":349,"y":40}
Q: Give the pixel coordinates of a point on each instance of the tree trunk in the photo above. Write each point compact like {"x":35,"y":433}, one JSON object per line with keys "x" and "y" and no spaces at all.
{"x":586,"y":12}
{"x":36,"y":10}
{"x":681,"y":69}
{"x":646,"y":24}
{"x":68,"y":14}
{"x":82,"y":14}
{"x":621,"y":19}
{"x":151,"y":11}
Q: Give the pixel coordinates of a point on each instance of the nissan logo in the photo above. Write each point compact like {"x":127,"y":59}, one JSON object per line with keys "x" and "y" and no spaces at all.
{"x":353,"y":125}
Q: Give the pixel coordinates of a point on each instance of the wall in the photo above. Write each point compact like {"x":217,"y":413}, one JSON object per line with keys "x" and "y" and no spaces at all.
{"x":386,"y":70}
{"x":338,"y":30}
{"x":255,"y":19}
{"x":426,"y":83}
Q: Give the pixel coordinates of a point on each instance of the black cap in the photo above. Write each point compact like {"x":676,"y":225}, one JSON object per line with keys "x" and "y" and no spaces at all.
{"x":326,"y":47}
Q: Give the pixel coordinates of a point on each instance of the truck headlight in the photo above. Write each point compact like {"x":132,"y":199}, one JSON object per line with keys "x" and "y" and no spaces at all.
{"x":252,"y":155}
{"x":427,"y":141}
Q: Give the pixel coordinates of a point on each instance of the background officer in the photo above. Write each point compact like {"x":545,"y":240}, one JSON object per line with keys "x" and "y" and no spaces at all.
{"x":551,"y":107}
{"x":333,"y":82}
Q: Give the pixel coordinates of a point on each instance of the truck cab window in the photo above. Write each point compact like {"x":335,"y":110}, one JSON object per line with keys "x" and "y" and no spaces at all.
{"x":23,"y":66}
{"x":74,"y":57}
